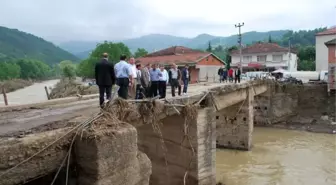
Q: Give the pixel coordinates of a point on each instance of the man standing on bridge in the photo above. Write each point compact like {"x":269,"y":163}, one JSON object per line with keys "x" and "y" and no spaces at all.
{"x":124,"y":76}
{"x":105,"y":78}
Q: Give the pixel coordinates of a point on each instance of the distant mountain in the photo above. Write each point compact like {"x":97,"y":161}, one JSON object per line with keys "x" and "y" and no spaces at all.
{"x":247,"y":38}
{"x":154,"y":42}
{"x":16,"y":44}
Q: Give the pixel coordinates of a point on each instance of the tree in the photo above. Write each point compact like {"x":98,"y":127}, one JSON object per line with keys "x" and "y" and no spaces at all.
{"x":269,"y":39}
{"x":114,"y":51}
{"x":86,"y":67}
{"x":68,"y":69}
{"x":9,"y":70}
{"x":209,"y":49}
{"x":33,"y":69}
{"x":305,"y":65}
{"x":140,"y":52}
{"x":228,"y":56}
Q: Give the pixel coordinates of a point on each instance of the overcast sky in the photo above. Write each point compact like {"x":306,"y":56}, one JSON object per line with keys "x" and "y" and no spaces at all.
{"x":65,"y":20}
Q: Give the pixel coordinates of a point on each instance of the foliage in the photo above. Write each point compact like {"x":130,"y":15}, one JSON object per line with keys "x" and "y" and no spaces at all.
{"x":306,"y":65}
{"x":114,"y":50}
{"x":209,"y":49}
{"x":300,"y":38}
{"x":224,"y":54}
{"x":306,"y":56}
{"x":24,"y":69}
{"x":9,"y":71}
{"x":15,"y":44}
{"x":269,"y":39}
{"x":68,"y":69}
{"x":33,"y":69}
{"x":140,"y":53}
{"x":228,"y":56}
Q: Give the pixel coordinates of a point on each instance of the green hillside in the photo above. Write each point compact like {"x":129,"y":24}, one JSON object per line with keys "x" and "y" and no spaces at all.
{"x":160,"y":41}
{"x":15,"y":44}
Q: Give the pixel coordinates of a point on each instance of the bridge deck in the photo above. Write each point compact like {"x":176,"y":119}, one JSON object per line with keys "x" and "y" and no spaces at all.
{"x":27,"y":120}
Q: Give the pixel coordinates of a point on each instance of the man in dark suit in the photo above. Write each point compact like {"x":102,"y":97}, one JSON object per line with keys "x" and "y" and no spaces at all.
{"x":237,"y":75}
{"x":105,"y":78}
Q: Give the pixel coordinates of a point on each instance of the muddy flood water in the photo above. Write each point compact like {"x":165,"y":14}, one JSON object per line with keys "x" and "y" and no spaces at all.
{"x":280,"y":157}
{"x":31,"y":94}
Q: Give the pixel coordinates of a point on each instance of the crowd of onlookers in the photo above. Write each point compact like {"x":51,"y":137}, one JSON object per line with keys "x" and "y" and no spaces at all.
{"x":137,"y":81}
{"x":231,"y":74}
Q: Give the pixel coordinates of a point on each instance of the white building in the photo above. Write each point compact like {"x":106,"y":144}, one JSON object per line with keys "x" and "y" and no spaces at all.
{"x":265,"y":57}
{"x":321,"y":48}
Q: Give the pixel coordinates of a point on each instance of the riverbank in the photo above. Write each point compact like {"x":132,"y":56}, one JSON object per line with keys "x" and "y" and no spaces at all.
{"x":324,"y":124}
{"x":15,"y":84}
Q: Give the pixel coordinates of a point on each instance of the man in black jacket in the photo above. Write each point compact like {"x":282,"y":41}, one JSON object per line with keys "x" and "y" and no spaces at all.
{"x":237,"y":75}
{"x":105,"y":78}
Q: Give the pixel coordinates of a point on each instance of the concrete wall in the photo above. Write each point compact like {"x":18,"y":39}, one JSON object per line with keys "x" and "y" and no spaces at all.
{"x":281,"y":103}
{"x":178,"y":157}
{"x":110,"y":156}
{"x":322,"y":51}
{"x":15,"y":150}
{"x":235,"y":124}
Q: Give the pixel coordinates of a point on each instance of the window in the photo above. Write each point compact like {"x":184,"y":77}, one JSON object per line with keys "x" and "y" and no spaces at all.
{"x":247,"y":59}
{"x":261,"y":58}
{"x":277,"y":58}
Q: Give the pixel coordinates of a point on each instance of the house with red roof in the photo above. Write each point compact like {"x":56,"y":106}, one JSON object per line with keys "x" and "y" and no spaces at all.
{"x":265,"y":57}
{"x":331,"y":45}
{"x":321,"y":48}
{"x":203,"y":66}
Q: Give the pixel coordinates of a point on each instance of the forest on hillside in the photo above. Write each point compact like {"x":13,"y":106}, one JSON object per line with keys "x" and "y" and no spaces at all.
{"x":15,"y":44}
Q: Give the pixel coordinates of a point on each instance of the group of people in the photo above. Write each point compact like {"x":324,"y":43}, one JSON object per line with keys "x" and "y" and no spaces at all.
{"x":136,"y":81}
{"x":229,"y":75}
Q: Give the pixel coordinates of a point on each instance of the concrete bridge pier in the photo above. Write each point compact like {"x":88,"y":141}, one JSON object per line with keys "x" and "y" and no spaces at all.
{"x":181,"y":158}
{"x":235,"y":123}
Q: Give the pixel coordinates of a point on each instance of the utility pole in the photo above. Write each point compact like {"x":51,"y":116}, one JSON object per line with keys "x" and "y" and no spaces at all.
{"x":240,"y":44}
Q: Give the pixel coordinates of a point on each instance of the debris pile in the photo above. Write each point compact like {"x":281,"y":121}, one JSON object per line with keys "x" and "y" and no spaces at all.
{"x":15,"y":84}
{"x":68,"y":88}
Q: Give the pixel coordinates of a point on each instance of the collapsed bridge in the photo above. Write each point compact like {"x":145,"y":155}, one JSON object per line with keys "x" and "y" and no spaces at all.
{"x":151,"y":142}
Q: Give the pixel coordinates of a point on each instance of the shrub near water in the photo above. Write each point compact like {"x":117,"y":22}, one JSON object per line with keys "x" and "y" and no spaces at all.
{"x":15,"y":84}
{"x":68,"y":88}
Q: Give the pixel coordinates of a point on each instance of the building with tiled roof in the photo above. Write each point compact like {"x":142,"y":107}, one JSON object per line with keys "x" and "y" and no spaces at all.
{"x":330,"y":31}
{"x":265,"y":57}
{"x":203,"y":65}
{"x":331,"y":45}
{"x":321,"y":49}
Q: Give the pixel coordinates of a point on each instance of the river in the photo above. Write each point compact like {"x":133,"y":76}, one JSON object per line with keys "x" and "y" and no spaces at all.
{"x":280,"y":157}
{"x":31,"y":94}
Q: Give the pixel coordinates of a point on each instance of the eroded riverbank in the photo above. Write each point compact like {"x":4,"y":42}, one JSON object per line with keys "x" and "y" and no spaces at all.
{"x":280,"y":156}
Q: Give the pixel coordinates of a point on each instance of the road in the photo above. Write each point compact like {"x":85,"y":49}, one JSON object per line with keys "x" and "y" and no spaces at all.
{"x":27,"y":119}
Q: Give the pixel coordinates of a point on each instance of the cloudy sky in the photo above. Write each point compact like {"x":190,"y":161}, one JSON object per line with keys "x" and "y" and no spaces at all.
{"x":89,"y":20}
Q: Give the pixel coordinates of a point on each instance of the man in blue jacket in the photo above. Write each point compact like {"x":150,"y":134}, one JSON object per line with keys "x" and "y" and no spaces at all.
{"x":185,"y":79}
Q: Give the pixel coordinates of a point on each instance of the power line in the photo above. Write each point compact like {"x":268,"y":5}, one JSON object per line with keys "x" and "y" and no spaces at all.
{"x":240,"y":44}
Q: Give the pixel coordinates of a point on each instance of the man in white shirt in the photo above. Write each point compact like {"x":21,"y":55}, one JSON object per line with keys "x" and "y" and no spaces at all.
{"x":132,"y":89}
{"x":163,"y":81}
